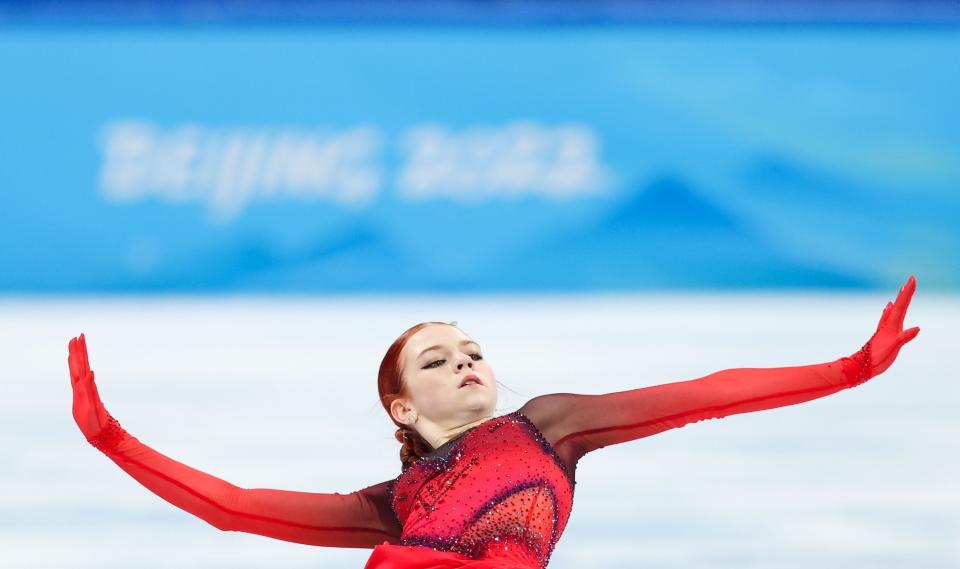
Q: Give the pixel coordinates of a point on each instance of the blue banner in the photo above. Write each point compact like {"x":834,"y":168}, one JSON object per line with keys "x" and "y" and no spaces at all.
{"x":405,"y":158}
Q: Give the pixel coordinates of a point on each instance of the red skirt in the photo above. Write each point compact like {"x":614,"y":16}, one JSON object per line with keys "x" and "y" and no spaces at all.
{"x":389,"y":556}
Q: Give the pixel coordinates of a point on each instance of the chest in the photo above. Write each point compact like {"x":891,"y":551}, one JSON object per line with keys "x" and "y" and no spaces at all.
{"x":501,"y":483}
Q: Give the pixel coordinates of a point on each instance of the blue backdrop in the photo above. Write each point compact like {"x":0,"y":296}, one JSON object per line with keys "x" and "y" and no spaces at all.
{"x":485,"y":158}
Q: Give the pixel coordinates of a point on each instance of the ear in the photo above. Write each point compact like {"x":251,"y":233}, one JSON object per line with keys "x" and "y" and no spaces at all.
{"x":402,"y":412}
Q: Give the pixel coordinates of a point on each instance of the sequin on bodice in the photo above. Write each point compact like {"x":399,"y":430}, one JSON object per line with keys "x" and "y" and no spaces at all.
{"x":497,"y":491}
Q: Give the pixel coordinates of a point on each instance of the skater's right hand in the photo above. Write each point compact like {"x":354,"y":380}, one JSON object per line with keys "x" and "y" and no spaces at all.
{"x":88,"y":410}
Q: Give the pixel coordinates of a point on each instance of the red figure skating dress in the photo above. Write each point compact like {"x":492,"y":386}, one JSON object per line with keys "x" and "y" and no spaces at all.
{"x":498,"y":495}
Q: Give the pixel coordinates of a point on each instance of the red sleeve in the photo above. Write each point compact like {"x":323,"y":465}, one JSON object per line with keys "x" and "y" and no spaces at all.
{"x":578,"y":424}
{"x":358,"y":519}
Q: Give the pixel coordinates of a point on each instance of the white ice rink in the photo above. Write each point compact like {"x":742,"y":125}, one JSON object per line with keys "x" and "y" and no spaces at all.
{"x":281,"y":393}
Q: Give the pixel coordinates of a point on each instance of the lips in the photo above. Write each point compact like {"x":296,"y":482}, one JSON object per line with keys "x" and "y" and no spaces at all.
{"x":470,"y":379}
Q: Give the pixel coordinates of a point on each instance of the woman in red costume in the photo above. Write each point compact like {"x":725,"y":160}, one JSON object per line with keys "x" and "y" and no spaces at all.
{"x":476,"y":490}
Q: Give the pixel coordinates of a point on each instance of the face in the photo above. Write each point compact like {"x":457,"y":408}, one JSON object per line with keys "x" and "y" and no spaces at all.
{"x":436,"y":362}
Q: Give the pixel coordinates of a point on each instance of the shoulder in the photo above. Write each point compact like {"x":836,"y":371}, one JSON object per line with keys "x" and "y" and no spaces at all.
{"x":549,"y":413}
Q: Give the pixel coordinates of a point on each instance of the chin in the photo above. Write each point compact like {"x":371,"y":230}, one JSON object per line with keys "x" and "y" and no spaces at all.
{"x":481,"y":404}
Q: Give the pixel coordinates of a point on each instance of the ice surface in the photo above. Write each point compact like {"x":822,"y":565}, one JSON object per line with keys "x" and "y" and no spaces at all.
{"x":240,"y":386}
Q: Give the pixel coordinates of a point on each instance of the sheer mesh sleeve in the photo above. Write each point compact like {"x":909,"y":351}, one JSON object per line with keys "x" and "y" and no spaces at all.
{"x":357,"y":519}
{"x":578,"y":424}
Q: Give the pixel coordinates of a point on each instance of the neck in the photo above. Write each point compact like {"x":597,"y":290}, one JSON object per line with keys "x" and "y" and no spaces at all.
{"x":450,"y":434}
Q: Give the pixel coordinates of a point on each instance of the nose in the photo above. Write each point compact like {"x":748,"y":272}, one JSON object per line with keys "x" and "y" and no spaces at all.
{"x":469,"y":362}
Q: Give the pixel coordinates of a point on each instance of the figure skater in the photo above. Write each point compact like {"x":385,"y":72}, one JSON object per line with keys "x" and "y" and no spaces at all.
{"x":475,"y":490}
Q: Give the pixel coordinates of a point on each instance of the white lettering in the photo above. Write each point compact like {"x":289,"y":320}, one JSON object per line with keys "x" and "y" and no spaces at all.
{"x":484,"y":162}
{"x":228,"y":168}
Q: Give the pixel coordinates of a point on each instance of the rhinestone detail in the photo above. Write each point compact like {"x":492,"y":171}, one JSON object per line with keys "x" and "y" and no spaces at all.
{"x":109,"y":436}
{"x":499,"y":489}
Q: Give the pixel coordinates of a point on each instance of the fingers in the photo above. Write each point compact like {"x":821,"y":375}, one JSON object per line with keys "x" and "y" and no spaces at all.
{"x":83,"y":349}
{"x":75,"y":373}
{"x":903,"y":301}
{"x":885,"y":315}
{"x":77,"y":359}
{"x":908,"y":335}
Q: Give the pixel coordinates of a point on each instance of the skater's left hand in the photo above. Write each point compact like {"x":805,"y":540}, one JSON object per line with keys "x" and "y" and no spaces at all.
{"x":890,"y":336}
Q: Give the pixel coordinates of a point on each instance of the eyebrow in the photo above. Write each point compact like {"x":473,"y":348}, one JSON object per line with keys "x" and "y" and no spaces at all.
{"x":462,"y":343}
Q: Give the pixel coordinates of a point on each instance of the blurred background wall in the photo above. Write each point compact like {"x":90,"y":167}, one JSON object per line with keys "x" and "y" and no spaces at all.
{"x":475,"y":146}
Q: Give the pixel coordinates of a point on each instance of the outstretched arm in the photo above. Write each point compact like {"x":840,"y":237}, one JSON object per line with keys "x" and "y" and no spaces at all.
{"x":578,"y":424}
{"x":358,"y":519}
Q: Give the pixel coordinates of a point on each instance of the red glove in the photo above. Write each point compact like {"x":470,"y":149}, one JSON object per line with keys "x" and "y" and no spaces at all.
{"x":583,"y":423}
{"x":101,"y":430}
{"x":357,"y":519}
{"x":882,"y":348}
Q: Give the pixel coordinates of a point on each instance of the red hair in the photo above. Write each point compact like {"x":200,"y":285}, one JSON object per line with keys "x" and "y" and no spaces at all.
{"x":391,"y":386}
